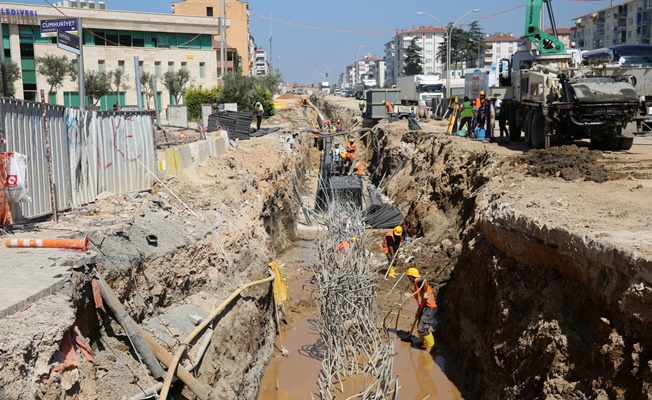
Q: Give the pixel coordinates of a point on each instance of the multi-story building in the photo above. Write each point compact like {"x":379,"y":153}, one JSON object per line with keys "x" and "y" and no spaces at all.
{"x":110,"y":41}
{"x":236,"y":35}
{"x":625,"y":23}
{"x":499,"y":45}
{"x":428,"y":38}
{"x":261,"y":66}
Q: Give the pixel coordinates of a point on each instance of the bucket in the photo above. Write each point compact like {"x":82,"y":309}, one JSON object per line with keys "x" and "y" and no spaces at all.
{"x":479,"y":133}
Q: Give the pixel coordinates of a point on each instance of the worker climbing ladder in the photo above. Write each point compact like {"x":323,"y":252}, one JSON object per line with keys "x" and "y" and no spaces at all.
{"x":452,"y":119}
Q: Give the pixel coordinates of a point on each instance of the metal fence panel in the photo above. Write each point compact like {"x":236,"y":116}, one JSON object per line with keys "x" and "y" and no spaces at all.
{"x":23,"y":125}
{"x":83,"y":148}
{"x":177,"y":115}
{"x":206,"y":110}
{"x":127,"y":156}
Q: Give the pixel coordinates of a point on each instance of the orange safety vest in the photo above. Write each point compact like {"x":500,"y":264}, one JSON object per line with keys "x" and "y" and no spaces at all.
{"x":359,"y":168}
{"x":383,"y":246}
{"x":389,"y":106}
{"x":350,"y":147}
{"x":425,"y":294}
{"x":343,"y":246}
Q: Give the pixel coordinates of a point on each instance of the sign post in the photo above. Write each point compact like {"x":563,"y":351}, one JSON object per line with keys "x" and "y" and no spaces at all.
{"x":64,"y":30}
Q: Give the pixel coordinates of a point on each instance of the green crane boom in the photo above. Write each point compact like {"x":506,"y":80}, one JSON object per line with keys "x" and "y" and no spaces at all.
{"x":544,"y":42}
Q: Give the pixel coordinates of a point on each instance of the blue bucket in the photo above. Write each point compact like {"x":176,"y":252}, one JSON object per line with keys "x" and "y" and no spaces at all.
{"x":479,"y":133}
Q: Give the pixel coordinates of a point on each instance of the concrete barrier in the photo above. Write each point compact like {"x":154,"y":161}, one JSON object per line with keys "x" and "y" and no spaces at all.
{"x":184,"y":159}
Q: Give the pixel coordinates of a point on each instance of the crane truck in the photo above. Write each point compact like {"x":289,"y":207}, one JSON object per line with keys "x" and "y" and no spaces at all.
{"x":553,"y":99}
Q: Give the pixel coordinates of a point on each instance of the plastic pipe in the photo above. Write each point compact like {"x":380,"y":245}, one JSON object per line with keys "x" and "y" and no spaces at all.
{"x":76,"y":244}
{"x":182,"y":347}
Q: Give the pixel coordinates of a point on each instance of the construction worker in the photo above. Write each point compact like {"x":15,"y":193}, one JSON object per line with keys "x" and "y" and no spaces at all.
{"x":466,"y":114}
{"x":259,"y":113}
{"x":348,"y":159}
{"x":304,"y":105}
{"x":351,"y":145}
{"x":480,"y":112}
{"x":427,"y":307}
{"x":390,"y":110}
{"x":346,"y":245}
{"x":357,"y":168}
{"x":338,"y":126}
{"x":337,"y":158}
{"x":391,"y":244}
{"x":361,"y":104}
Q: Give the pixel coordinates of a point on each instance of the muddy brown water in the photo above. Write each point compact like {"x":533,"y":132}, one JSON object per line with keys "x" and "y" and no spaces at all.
{"x":295,"y":376}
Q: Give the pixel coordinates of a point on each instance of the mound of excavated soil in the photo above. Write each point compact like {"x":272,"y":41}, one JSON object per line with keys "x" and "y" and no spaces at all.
{"x":568,"y":162}
{"x":287,"y":96}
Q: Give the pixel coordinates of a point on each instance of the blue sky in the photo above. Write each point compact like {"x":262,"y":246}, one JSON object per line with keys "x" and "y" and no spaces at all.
{"x":304,"y":54}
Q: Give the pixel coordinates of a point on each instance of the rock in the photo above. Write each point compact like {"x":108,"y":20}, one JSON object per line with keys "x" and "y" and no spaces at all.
{"x":104,"y":196}
{"x":458,"y":248}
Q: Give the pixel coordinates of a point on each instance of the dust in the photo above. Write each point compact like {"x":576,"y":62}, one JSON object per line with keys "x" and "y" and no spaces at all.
{"x":567,"y":162}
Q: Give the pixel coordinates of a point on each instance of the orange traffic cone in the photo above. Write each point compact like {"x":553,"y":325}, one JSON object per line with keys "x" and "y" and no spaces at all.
{"x":182,"y":136}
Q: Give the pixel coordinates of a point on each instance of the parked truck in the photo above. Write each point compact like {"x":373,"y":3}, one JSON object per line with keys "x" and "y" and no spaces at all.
{"x":325,"y":87}
{"x":554,"y":99}
{"x":419,"y":90}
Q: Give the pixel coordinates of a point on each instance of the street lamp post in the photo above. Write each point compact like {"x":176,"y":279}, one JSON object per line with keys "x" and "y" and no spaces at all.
{"x":449,"y":30}
{"x":357,"y":63}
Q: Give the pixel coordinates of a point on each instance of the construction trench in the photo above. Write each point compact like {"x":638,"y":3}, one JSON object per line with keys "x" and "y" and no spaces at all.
{"x":539,"y":261}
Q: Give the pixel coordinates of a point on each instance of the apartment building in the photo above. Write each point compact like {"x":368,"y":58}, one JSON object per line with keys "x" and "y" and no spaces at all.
{"x":499,"y":45}
{"x":110,"y":40}
{"x":625,"y":23}
{"x":428,"y":38}
{"x":261,"y":65}
{"x":237,"y":34}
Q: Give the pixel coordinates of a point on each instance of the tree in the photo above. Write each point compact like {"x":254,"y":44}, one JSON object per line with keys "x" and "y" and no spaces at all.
{"x":246,"y":91}
{"x":175,"y":82}
{"x":271,"y":81}
{"x":13,"y":74}
{"x":55,"y":69}
{"x":98,"y":84}
{"x":146,"y":86}
{"x":477,"y":45}
{"x":459,"y":42}
{"x":119,"y":82}
{"x":413,"y":62}
{"x":195,"y":97}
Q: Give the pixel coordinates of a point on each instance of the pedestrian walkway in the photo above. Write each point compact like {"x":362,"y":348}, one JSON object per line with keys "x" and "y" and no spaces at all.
{"x":29,"y":274}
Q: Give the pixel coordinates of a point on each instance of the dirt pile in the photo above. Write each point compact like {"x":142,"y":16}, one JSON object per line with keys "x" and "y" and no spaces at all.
{"x":567,"y":162}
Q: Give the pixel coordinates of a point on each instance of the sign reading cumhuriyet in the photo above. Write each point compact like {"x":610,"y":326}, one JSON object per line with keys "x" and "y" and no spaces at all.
{"x":50,"y":27}
{"x":68,"y":42}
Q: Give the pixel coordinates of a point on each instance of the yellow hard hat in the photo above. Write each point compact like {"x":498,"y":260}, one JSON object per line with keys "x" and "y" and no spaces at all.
{"x":383,"y":102}
{"x":398,"y":231}
{"x":413,"y":272}
{"x":482,"y":93}
{"x":452,"y":97}
{"x":354,"y":239}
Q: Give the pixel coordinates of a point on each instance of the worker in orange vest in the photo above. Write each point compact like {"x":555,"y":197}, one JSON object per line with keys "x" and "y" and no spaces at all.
{"x":357,"y":168}
{"x":390,"y":110}
{"x":427,"y":307}
{"x":338,"y":126}
{"x":349,"y":159}
{"x":347,"y":246}
{"x":391,"y":244}
{"x":351,"y":145}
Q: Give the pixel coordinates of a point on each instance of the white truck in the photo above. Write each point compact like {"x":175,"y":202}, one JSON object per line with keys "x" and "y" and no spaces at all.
{"x":480,"y":80}
{"x":420,"y":89}
{"x":325,"y":87}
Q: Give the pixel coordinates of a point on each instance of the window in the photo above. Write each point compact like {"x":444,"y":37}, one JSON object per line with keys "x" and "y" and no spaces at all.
{"x":125,"y":38}
{"x":112,"y":38}
{"x":170,"y":65}
{"x":100,"y":37}
{"x":121,"y":65}
{"x":202,"y":70}
{"x":163,"y":39}
{"x":138,"y":39}
{"x":101,"y":66}
{"x":157,"y":68}
{"x":209,"y":11}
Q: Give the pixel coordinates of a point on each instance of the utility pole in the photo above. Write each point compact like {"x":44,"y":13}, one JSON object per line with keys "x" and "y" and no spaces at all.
{"x":139,"y":93}
{"x":80,"y":66}
{"x":270,"y":43}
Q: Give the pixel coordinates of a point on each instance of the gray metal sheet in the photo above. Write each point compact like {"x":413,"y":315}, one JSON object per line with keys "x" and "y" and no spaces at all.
{"x":177,"y":115}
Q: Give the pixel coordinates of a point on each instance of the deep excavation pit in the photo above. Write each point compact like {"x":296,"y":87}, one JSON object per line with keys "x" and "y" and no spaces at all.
{"x":542,"y":276}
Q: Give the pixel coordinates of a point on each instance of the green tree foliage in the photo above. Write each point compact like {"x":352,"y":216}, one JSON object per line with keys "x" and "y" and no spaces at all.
{"x":195,"y":97}
{"x":464,"y":46}
{"x":271,"y":81}
{"x":119,"y":83}
{"x":176,"y":82}
{"x":146,"y":87}
{"x":55,"y":69}
{"x":246,"y":91}
{"x":98,"y":84}
{"x":413,"y":62}
{"x":13,"y":74}
{"x":477,"y":46}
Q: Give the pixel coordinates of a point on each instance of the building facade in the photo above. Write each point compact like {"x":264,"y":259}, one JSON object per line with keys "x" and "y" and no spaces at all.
{"x":261,"y":65}
{"x":625,"y":23}
{"x":428,"y":38}
{"x":110,"y":40}
{"x":499,"y":45}
{"x":237,"y":33}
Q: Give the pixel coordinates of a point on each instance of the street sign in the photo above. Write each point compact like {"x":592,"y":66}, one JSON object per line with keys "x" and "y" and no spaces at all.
{"x":68,"y":42}
{"x":50,"y":27}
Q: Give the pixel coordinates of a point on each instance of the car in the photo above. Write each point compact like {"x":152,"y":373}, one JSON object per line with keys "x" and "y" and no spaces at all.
{"x":349,"y":93}
{"x":338,"y":92}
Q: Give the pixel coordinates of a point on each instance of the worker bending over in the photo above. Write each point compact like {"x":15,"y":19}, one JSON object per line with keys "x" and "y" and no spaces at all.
{"x":427,"y":307}
{"x":391,"y":244}
{"x":390,"y":110}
